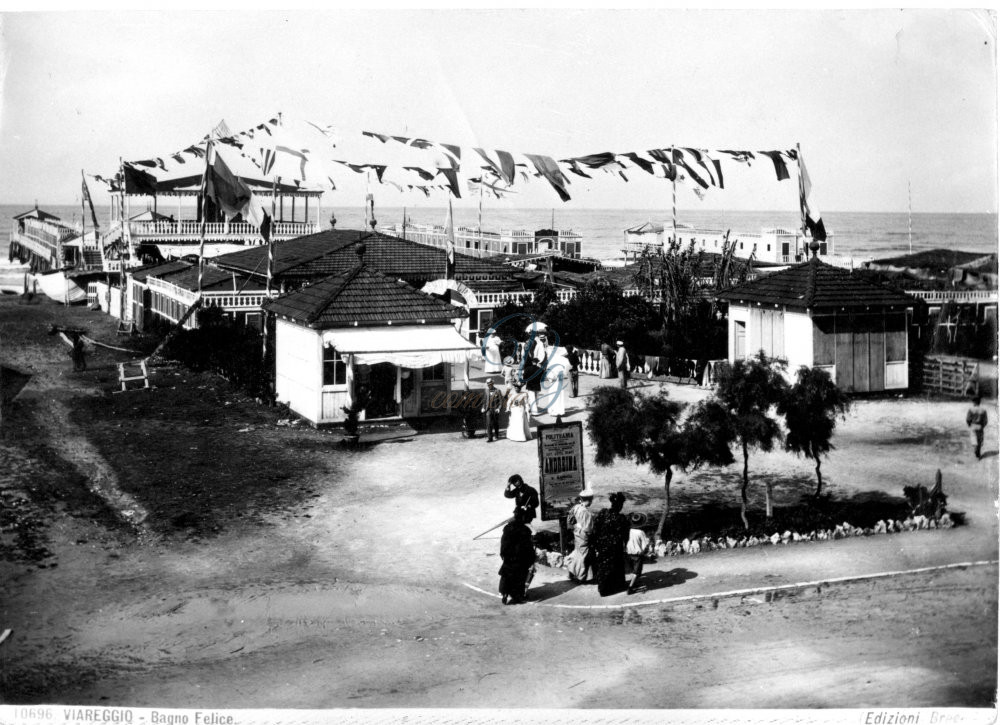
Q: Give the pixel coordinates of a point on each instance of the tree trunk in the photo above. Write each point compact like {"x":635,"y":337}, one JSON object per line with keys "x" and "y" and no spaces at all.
{"x":769,"y":502}
{"x":819,"y":474}
{"x":666,"y":508}
{"x":746,"y":482}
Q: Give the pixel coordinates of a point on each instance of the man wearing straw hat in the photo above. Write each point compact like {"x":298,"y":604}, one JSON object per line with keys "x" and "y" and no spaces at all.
{"x":636,"y":548}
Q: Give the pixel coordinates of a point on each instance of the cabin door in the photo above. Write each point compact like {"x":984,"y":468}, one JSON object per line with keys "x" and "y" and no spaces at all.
{"x":845,"y":360}
{"x":739,"y":340}
{"x":862,"y":374}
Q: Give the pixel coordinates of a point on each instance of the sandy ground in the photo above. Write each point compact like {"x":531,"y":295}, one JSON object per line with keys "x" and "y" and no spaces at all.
{"x":344,"y":582}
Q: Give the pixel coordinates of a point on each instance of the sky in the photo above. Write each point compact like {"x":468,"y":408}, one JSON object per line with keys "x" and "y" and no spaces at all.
{"x":890,"y":108}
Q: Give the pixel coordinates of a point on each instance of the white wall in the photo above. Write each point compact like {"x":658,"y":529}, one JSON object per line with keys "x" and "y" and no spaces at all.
{"x":298,"y":369}
{"x":798,"y":340}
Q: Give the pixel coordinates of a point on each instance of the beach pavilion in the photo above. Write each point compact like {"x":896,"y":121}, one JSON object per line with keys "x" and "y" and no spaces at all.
{"x":818,"y":315}
{"x":362,"y":336}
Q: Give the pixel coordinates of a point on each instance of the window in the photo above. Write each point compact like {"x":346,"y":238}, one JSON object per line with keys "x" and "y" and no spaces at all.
{"x":334,"y":367}
{"x":434,"y":372}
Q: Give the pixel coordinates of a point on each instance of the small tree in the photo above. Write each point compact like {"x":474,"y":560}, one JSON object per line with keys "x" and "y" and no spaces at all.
{"x":644,"y":430}
{"x":748,"y":390}
{"x":811,"y":408}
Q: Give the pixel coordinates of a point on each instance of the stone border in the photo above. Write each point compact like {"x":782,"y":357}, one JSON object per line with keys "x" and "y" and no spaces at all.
{"x":706,"y":543}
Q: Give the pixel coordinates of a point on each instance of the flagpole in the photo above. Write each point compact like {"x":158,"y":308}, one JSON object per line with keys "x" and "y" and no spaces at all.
{"x":270,"y":260}
{"x":673,"y":186}
{"x":909,"y":216}
{"x":126,"y":237}
{"x":83,"y":213}
{"x":802,"y":201}
{"x":204,"y":210}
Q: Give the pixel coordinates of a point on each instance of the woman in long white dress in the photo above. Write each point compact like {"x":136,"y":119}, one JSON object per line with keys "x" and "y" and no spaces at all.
{"x":492,"y":358}
{"x":519,"y":423}
{"x":552,"y":398}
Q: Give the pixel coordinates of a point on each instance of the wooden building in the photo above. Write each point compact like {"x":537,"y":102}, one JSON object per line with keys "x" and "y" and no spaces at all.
{"x":362,"y":336}
{"x":818,"y":315}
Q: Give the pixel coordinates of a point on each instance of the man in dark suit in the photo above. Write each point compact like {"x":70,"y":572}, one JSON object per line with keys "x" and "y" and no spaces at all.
{"x":492,"y":408}
{"x":525,"y":497}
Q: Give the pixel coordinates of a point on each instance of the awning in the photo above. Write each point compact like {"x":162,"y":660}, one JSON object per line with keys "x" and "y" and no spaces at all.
{"x":409,"y":346}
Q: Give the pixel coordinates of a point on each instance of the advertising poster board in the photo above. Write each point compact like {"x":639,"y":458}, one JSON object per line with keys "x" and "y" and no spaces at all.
{"x":560,"y":467}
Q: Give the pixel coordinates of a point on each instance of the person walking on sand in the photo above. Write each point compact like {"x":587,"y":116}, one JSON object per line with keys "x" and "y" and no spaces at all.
{"x":636,"y":548}
{"x":525,"y":497}
{"x":492,"y":407}
{"x":518,"y":554}
{"x":611,"y":529}
{"x":78,"y":355}
{"x":581,"y":518}
{"x":976,"y":419}
{"x":622,"y":365}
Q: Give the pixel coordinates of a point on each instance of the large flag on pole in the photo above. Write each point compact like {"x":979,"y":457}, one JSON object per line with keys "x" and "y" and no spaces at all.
{"x":90,"y":202}
{"x":449,"y":233}
{"x":811,"y":217}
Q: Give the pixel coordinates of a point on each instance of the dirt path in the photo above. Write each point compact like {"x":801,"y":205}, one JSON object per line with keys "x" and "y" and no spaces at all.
{"x":338,"y":580}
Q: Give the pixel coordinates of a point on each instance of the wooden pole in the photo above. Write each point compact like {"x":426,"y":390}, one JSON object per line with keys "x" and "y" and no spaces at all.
{"x":204,"y":214}
{"x":270,"y":263}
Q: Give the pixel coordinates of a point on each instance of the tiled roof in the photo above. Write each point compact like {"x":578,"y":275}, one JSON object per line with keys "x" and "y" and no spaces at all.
{"x":140,"y":274}
{"x":333,"y":252}
{"x":361,"y":296}
{"x":37,"y":213}
{"x":816,"y":285}
{"x":213,"y":280}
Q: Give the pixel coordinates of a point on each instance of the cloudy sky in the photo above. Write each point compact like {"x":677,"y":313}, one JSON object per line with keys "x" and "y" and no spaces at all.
{"x":877,"y":99}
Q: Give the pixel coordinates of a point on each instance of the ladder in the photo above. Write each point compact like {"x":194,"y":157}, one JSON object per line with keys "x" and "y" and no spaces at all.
{"x":131,"y":376}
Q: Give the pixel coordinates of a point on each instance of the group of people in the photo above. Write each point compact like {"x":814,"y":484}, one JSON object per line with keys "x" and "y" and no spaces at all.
{"x":616,"y":363}
{"x":537,"y":382}
{"x":609,"y":544}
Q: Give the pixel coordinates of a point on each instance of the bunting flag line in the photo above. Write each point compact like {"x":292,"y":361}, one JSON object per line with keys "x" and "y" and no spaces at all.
{"x":138,"y":181}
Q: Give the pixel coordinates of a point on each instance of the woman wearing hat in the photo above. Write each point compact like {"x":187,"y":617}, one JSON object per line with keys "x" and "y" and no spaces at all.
{"x":611,"y":529}
{"x":518,"y":554}
{"x":580,"y":562}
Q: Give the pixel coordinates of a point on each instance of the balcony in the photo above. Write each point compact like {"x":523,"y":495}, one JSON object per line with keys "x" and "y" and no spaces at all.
{"x":189,"y":231}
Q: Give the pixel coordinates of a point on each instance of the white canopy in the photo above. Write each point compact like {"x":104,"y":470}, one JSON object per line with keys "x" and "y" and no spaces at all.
{"x":409,"y":346}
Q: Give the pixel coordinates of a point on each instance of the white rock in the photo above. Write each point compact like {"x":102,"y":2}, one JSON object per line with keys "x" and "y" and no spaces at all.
{"x":695,"y":547}
{"x":946,"y":522}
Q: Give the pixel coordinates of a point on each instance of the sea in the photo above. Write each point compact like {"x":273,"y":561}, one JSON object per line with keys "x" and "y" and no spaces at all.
{"x":862,"y":235}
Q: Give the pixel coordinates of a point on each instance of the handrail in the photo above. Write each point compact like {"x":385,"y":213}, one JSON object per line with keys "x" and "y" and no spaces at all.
{"x":955,"y":295}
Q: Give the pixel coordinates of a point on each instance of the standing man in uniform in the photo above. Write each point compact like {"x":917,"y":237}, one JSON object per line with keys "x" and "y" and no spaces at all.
{"x":976,"y":419}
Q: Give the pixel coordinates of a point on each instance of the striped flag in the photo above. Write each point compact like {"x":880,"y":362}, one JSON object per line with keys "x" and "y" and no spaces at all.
{"x":811,"y":217}
{"x":90,"y":201}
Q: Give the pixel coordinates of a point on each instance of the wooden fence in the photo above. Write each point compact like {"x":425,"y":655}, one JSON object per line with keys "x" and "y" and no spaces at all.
{"x":958,"y":377}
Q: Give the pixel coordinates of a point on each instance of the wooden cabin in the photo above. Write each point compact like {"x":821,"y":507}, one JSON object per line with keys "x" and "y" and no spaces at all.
{"x":818,"y":315}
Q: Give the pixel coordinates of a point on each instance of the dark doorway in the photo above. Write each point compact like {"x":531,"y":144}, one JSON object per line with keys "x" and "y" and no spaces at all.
{"x":382,"y":381}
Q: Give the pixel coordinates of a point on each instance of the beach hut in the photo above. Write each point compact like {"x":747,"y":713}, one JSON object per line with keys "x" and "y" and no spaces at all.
{"x":362,"y":337}
{"x":818,"y":315}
